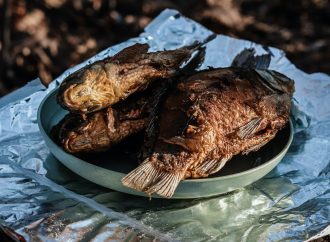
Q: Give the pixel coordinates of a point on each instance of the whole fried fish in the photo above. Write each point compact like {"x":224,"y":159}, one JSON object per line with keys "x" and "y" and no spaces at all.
{"x":208,"y":118}
{"x":106,"y":82}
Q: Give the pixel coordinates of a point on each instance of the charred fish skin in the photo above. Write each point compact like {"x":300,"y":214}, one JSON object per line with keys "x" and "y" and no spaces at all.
{"x":208,"y":118}
{"x":106,"y":82}
{"x":98,"y":131}
{"x":101,"y":131}
{"x":70,"y":122}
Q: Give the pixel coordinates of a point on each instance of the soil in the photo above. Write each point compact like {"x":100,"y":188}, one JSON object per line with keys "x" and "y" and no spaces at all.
{"x":44,"y":38}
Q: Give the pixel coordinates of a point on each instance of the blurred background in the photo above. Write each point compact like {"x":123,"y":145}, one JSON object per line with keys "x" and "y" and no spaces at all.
{"x":42,"y":38}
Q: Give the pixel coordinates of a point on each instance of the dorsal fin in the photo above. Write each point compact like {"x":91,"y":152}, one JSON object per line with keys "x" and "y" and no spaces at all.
{"x":195,"y":62}
{"x":130,"y":53}
{"x":248,"y":59}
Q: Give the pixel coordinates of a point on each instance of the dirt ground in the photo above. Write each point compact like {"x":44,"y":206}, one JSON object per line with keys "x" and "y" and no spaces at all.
{"x":44,"y":38}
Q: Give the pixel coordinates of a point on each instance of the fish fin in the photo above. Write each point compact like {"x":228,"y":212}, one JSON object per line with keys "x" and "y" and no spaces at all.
{"x":212,"y":166}
{"x":219,"y":164}
{"x":194,"y":63}
{"x":258,"y":146}
{"x":199,"y":45}
{"x":248,"y":129}
{"x":166,"y":184}
{"x":150,"y":179}
{"x":141,"y":177}
{"x":248,"y":59}
{"x":130,"y":53}
{"x":183,"y":55}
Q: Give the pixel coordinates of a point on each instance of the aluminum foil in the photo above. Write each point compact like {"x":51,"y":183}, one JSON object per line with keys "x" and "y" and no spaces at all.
{"x":44,"y":201}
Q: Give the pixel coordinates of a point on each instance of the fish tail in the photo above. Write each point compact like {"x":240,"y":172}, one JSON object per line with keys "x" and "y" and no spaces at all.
{"x":175,"y":58}
{"x":196,"y":52}
{"x":151,"y":179}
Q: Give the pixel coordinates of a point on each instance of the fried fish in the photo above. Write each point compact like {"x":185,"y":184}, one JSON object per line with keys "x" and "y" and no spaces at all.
{"x":207,"y":119}
{"x":100,"y":130}
{"x":108,"y":81}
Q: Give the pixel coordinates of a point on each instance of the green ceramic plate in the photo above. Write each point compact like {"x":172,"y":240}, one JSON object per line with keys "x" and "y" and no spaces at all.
{"x":107,"y":169}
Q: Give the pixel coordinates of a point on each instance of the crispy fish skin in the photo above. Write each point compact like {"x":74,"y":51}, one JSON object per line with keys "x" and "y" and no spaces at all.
{"x":101,"y":131}
{"x":208,"y":118}
{"x":106,"y":82}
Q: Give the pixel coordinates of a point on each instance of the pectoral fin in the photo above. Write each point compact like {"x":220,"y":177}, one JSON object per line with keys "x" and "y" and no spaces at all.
{"x":250,"y":128}
{"x":256,"y":147}
{"x":209,"y":167}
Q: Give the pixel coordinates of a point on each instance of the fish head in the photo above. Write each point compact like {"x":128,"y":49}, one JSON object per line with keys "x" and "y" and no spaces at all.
{"x":86,"y":90}
{"x":88,"y":134}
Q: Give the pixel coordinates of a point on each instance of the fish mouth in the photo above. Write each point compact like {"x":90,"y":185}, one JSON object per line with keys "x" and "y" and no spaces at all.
{"x":76,"y":98}
{"x":76,"y":142}
{"x":70,"y":122}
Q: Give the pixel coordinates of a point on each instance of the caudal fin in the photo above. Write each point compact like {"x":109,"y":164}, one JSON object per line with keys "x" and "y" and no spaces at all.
{"x":150,"y":179}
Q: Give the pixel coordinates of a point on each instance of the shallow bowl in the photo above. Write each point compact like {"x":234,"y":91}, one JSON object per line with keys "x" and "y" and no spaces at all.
{"x":108,"y":168}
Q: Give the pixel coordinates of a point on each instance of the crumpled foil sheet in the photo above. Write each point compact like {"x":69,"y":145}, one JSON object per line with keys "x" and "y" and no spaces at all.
{"x":44,"y":201}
